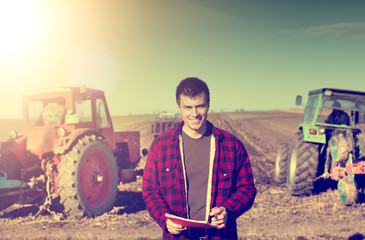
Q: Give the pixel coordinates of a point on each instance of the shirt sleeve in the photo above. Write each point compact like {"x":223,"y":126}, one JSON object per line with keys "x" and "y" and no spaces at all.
{"x":244,"y":196}
{"x":151,"y":191}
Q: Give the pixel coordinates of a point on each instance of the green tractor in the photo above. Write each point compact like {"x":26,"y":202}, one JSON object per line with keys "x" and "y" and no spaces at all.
{"x":329,"y":145}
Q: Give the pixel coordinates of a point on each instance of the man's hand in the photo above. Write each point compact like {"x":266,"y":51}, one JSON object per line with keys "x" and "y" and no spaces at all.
{"x":219,"y":217}
{"x":174,"y":228}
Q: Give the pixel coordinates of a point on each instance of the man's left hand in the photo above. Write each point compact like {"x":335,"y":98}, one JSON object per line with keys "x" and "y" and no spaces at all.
{"x":219,"y":217}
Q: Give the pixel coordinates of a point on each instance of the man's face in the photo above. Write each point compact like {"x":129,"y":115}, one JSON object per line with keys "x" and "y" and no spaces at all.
{"x":194,"y":113}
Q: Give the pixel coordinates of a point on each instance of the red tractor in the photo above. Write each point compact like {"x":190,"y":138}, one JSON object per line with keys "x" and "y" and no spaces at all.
{"x":69,"y":155}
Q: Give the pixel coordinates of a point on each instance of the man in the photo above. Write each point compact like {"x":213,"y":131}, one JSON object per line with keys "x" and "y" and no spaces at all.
{"x":338,"y":116}
{"x":197,"y":171}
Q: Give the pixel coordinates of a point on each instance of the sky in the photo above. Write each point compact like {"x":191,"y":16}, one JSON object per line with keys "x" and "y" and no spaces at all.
{"x":253,"y":54}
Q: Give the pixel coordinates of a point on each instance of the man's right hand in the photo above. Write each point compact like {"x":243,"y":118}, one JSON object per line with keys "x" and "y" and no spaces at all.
{"x":174,"y":228}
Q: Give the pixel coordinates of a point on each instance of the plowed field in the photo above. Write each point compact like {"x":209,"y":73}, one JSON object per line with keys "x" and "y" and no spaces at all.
{"x":274,"y":215}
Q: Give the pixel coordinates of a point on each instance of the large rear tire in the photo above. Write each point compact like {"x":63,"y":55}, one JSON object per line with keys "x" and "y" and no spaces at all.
{"x":281,"y":163}
{"x":88,"y":178}
{"x":302,"y":166}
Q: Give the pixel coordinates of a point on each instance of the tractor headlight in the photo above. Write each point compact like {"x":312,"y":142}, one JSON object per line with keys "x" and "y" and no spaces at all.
{"x":13,"y":134}
{"x":328,"y":92}
{"x":61,"y":132}
{"x":322,"y":130}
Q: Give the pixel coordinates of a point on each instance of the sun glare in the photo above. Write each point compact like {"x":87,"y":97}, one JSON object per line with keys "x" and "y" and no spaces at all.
{"x":19,"y":27}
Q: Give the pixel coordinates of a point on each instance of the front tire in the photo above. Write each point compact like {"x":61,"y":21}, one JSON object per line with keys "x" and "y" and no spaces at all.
{"x":281,"y":163}
{"x":302,"y":166}
{"x":88,"y":178}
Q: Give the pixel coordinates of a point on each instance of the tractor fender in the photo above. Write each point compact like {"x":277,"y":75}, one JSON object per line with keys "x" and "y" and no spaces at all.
{"x":16,"y":147}
{"x":67,"y":142}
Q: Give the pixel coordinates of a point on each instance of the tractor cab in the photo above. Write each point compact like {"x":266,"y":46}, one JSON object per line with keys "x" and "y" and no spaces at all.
{"x":51,"y":114}
{"x":329,"y":143}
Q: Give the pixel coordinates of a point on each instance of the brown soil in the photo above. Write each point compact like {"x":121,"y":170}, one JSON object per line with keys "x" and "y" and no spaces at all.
{"x":274,"y":215}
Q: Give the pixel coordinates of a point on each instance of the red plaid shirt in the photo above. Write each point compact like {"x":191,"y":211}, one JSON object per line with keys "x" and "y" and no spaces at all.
{"x":164,"y":186}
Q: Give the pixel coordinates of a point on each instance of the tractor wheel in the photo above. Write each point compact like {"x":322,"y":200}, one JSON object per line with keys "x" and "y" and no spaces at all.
{"x":10,"y":164}
{"x":281,"y":163}
{"x":347,"y":191}
{"x":88,"y":178}
{"x":302,"y":166}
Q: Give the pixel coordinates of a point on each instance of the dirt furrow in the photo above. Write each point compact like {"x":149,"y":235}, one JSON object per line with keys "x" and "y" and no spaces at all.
{"x":261,"y":153}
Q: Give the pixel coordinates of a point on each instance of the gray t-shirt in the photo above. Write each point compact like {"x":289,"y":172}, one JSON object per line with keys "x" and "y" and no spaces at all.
{"x":197,"y":154}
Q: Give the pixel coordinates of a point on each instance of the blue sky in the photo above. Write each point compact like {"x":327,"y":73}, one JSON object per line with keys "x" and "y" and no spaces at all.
{"x":254,"y":55}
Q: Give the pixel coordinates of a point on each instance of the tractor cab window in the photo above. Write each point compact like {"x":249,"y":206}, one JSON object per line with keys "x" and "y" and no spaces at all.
{"x":335,"y":111}
{"x":46,"y":112}
{"x":359,"y":113}
{"x":342,"y":109}
{"x":101,"y":116}
{"x":35,"y":113}
{"x":83,"y":110}
{"x":359,"y":117}
{"x":311,"y":109}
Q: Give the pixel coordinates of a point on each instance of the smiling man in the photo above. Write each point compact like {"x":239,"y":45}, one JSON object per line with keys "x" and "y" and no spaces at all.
{"x":197,"y":171}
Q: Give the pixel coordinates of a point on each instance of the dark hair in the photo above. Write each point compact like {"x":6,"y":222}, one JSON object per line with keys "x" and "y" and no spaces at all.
{"x":192,"y":87}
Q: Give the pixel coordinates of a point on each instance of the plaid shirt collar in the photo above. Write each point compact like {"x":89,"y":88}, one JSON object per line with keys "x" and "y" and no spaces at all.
{"x":178,"y":130}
